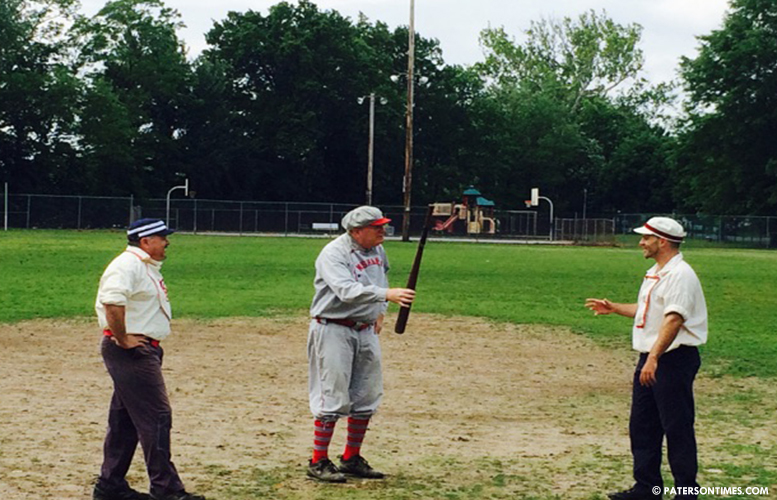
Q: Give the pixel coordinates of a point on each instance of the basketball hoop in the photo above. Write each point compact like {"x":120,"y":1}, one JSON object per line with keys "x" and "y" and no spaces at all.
{"x":528,"y":203}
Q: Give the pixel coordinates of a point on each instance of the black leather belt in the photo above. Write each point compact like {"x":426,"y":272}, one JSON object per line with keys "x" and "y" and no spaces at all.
{"x":356,"y":325}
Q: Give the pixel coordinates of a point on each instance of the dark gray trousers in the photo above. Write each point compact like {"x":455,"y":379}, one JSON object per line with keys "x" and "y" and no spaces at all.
{"x":665,"y":409}
{"x":140,"y":411}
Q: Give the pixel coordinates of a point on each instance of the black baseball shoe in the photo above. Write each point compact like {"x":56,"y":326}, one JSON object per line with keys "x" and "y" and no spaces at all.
{"x":178,"y":495}
{"x":103,"y":493}
{"x":634,"y":494}
{"x":324,"y":470}
{"x":358,"y":466}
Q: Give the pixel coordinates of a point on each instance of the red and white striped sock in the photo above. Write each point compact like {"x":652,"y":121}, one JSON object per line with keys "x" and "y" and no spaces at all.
{"x":322,"y":437}
{"x":357,"y":428}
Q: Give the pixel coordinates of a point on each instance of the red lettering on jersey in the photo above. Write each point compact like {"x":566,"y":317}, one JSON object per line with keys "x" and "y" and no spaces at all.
{"x":364,"y":264}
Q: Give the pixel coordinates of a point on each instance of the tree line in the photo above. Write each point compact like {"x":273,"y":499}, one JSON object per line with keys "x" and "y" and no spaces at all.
{"x":270,"y":110}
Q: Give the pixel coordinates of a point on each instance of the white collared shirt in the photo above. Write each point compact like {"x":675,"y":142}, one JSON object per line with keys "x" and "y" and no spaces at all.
{"x":134,"y":280}
{"x":673,"y":289}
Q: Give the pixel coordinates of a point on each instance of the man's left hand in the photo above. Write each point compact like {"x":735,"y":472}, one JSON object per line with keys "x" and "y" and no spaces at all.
{"x":647,"y":376}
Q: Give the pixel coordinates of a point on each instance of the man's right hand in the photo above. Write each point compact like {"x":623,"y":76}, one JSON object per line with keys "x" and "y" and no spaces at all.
{"x":600,"y":306}
{"x":402,"y":296}
{"x":130,"y":341}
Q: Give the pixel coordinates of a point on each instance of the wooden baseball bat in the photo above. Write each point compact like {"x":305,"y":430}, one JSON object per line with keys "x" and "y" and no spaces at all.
{"x":404,"y":312}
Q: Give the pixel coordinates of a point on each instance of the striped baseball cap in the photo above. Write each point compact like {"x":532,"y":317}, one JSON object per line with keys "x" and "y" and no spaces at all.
{"x":663,"y":227}
{"x":147,"y":227}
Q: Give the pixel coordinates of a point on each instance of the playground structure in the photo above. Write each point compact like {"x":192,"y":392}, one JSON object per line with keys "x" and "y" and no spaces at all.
{"x":475,"y":215}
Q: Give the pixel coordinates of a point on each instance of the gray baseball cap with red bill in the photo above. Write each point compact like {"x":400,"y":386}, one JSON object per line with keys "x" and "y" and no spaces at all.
{"x":663,"y":227}
{"x":364,"y":216}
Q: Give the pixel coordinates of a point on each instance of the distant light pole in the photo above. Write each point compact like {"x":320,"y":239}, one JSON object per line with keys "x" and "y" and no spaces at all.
{"x":370,"y":148}
{"x":185,"y":187}
{"x":409,"y":125}
{"x":371,"y":143}
{"x":585,"y":200}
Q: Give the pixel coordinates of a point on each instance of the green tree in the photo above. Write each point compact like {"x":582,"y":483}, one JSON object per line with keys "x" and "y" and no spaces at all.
{"x":728,"y":156}
{"x":632,"y":160}
{"x":577,"y":117}
{"x":570,"y":59}
{"x":294,"y":76}
{"x":138,"y":90}
{"x":294,"y":81}
{"x":38,"y":96}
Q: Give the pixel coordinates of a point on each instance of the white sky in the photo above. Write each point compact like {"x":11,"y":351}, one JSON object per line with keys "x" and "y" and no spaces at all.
{"x":670,"y":27}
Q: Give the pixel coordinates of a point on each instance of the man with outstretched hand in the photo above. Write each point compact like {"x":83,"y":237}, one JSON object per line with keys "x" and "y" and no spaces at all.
{"x":134,"y":312}
{"x":670,"y":321}
{"x":344,"y":356}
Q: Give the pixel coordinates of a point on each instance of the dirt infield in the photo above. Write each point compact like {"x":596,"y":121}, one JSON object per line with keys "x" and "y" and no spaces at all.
{"x":471,"y":408}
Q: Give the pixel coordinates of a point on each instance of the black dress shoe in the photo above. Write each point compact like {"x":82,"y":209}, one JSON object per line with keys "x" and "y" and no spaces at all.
{"x":102,"y":493}
{"x":633,"y":494}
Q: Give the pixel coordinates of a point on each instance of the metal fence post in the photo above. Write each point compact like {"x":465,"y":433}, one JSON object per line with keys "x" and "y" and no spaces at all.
{"x":195,"y":216}
{"x":78,"y":226}
{"x":29,"y":201}
{"x":286,"y":220}
{"x":5,"y":210}
{"x":241,"y":218}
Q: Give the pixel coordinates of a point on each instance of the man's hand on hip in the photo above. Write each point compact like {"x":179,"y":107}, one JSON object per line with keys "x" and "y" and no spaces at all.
{"x":130,"y":341}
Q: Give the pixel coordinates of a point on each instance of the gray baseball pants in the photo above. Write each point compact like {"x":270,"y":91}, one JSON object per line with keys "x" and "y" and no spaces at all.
{"x":344,"y":371}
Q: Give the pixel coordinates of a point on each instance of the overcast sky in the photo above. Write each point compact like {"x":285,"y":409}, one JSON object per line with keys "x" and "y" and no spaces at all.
{"x":670,"y":27}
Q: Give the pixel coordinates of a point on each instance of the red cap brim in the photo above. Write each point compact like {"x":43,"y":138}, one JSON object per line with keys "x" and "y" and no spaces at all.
{"x":380,"y":222}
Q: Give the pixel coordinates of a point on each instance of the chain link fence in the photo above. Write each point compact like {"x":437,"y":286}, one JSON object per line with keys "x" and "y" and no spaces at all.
{"x":745,"y":230}
{"x":246,"y":217}
{"x":34,"y":211}
{"x":596,"y":231}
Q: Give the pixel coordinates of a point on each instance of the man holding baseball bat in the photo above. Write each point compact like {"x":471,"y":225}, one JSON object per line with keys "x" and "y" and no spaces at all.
{"x":344,"y":356}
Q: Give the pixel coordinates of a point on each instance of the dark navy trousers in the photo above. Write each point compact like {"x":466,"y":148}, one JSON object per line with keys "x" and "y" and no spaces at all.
{"x":665,"y":409}
{"x":140,"y":412}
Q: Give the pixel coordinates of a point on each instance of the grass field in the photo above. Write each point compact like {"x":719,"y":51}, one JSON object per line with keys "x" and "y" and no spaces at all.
{"x":52,"y":274}
{"x":500,"y":405}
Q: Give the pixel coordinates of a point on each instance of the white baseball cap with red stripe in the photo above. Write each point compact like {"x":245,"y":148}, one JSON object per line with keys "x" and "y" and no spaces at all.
{"x":663,"y":227}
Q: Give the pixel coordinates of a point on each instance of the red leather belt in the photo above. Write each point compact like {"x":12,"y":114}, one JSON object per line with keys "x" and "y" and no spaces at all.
{"x":153,"y":342}
{"x":356,"y":325}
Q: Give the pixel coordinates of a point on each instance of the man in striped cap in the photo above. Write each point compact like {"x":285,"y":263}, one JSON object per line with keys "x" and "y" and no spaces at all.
{"x":134,"y":313}
{"x":670,"y":321}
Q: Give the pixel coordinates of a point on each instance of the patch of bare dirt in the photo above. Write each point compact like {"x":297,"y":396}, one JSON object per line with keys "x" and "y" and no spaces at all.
{"x":455,"y":387}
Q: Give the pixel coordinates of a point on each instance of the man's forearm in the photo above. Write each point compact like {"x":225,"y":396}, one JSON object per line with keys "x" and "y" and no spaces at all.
{"x":115,"y":316}
{"x":670,"y":327}
{"x":628,"y":310}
